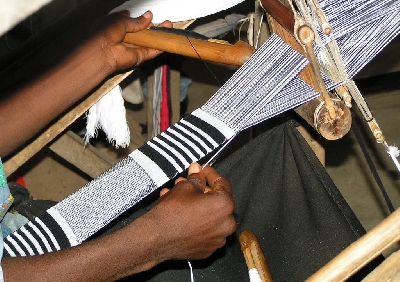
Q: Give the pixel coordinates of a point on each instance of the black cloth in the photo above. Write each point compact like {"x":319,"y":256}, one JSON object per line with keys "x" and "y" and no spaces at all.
{"x":25,"y":204}
{"x":284,"y":195}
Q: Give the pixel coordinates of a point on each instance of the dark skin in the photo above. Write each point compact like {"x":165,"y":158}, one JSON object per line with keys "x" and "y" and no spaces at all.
{"x":186,"y":223}
{"x":45,"y":98}
{"x":190,"y":221}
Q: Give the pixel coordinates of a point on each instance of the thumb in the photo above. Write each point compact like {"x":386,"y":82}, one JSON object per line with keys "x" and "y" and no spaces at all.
{"x":197,"y":177}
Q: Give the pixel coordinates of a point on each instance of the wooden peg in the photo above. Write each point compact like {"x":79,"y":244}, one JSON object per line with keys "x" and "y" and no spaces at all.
{"x":254,"y":255}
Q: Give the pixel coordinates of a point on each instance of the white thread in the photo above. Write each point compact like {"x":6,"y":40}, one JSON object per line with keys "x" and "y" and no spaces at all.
{"x":191,"y":271}
{"x":157,"y":96}
{"x":316,"y":113}
{"x":213,"y":158}
{"x":394,"y":153}
{"x":259,"y":31}
{"x":250,"y":32}
{"x":109,"y":114}
{"x":254,"y":275}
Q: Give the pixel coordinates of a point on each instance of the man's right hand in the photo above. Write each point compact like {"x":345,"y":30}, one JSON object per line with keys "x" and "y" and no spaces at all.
{"x":195,"y":216}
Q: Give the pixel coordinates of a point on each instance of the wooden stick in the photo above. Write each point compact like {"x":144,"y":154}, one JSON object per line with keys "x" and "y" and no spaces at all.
{"x":281,"y":13}
{"x":306,"y":37}
{"x":224,"y":53}
{"x":305,"y":74}
{"x":253,"y":254}
{"x":362,"y":251}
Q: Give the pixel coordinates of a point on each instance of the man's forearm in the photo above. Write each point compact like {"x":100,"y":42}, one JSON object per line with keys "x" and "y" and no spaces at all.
{"x":130,"y":250}
{"x":28,"y":110}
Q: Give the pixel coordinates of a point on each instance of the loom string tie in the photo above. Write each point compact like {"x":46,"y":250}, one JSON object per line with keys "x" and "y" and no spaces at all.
{"x":191,"y":271}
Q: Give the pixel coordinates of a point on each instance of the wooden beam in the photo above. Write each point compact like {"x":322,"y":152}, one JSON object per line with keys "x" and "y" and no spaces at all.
{"x":86,"y":158}
{"x":362,"y":251}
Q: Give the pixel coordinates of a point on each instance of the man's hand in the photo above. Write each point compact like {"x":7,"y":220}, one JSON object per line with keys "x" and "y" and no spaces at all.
{"x":83,"y":60}
{"x":195,"y":216}
{"x":122,"y":55}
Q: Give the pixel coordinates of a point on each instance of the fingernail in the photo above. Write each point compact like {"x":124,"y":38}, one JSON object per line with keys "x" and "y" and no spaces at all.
{"x":194,"y":168}
{"x":147,"y":15}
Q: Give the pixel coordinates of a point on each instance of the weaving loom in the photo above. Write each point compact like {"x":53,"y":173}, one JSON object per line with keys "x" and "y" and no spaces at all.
{"x":265,"y":86}
{"x":170,"y":153}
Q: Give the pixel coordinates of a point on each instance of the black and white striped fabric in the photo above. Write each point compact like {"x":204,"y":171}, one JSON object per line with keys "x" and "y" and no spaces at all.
{"x":258,"y":90}
{"x":37,"y":237}
{"x":77,"y":217}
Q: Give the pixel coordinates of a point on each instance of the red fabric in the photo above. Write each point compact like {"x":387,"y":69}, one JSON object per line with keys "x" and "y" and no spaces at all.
{"x":17,"y":179}
{"x":164,"y":108}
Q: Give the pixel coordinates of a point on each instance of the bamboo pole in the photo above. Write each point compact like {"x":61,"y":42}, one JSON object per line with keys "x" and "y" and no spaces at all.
{"x":361,"y":252}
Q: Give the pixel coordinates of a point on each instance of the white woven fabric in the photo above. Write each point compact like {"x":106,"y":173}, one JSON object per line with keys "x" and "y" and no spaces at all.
{"x":176,"y":10}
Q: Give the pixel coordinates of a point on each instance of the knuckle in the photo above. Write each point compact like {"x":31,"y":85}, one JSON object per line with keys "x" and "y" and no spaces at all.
{"x":226,"y":203}
{"x":221,"y":243}
{"x":195,"y":181}
{"x":232,"y":226}
{"x":222,"y":184}
{"x":229,"y":226}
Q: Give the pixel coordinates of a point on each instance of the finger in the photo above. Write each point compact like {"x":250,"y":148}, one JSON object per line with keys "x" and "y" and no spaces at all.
{"x":164,"y":191}
{"x":165,"y":24}
{"x":215,"y":180}
{"x":194,"y":168}
{"x":197,"y":177}
{"x":124,"y":13}
{"x":139,"y":23}
{"x":179,"y":179}
{"x":133,"y":55}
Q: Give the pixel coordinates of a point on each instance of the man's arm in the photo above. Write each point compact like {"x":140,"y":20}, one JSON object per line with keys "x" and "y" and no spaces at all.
{"x":190,"y":221}
{"x":26,"y":111}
